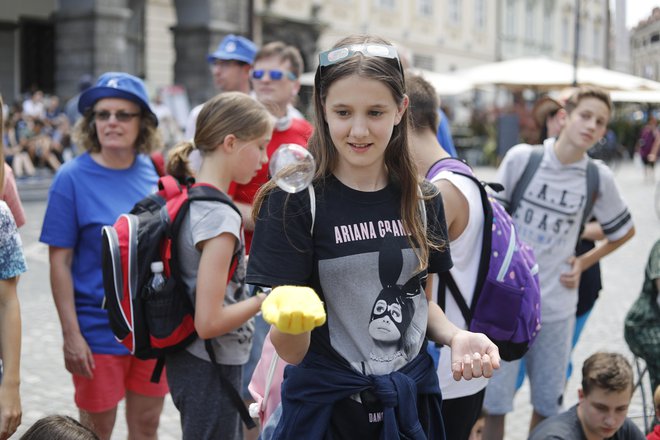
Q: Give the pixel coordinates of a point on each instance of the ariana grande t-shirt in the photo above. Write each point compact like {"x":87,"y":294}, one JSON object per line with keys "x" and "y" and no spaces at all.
{"x":358,"y":259}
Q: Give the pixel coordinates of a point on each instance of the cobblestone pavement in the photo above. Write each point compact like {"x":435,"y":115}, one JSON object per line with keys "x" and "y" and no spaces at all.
{"x":47,"y":388}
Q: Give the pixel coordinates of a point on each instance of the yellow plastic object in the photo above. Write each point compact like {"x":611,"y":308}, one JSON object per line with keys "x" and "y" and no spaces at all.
{"x":293,"y":309}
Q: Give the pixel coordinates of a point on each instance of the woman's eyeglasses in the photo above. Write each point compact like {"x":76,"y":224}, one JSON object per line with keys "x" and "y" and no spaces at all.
{"x":120,"y":116}
{"x":274,"y":75}
{"x":339,"y":54}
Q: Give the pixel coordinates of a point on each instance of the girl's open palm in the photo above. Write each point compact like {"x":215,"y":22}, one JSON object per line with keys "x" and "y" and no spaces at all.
{"x":473,"y":355}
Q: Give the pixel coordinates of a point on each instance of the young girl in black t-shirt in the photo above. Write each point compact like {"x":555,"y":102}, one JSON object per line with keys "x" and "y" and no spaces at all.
{"x":376,"y":232}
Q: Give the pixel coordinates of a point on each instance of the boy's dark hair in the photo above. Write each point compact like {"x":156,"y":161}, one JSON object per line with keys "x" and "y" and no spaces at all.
{"x":423,"y":109}
{"x":607,"y":371}
{"x":57,"y":427}
{"x":285,"y":52}
{"x":587,"y":92}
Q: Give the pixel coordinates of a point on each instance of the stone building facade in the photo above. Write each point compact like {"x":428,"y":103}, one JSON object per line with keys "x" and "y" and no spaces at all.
{"x":53,"y":42}
{"x":645,"y":47}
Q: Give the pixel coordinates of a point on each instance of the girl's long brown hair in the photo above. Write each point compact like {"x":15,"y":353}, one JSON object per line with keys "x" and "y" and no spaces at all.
{"x":398,"y":160}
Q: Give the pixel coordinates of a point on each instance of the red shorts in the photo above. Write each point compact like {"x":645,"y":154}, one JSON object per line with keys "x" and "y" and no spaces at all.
{"x":113,"y":376}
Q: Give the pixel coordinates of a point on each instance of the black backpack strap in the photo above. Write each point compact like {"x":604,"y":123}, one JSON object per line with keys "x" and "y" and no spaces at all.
{"x":533,"y":164}
{"x":448,"y":281}
{"x":208,"y":193}
{"x":593,"y":182}
{"x":158,"y":369}
{"x":235,"y":397}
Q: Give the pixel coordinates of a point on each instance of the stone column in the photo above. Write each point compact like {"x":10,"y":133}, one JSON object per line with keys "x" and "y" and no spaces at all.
{"x":91,"y":39}
{"x":201,"y":24}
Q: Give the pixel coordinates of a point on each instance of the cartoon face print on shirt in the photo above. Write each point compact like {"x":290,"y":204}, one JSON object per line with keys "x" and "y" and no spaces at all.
{"x":390,"y":316}
{"x":394,"y":308}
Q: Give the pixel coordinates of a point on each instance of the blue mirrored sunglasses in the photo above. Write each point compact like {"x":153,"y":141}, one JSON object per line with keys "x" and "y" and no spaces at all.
{"x":274,"y":74}
{"x":339,"y":54}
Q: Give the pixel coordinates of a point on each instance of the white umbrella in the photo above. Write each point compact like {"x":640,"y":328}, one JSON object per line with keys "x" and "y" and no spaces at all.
{"x":544,"y":73}
{"x":445,"y":84}
{"x":537,"y":72}
{"x":613,"y":80}
{"x":644,"y":96}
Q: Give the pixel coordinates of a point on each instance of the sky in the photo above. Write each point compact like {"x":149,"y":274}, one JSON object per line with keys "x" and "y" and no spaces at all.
{"x":638,"y":10}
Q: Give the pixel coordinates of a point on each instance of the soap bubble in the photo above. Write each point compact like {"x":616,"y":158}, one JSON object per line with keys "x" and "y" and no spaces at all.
{"x":292,"y":167}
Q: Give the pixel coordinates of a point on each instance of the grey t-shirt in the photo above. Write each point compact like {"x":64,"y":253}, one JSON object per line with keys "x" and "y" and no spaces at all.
{"x":566,"y":426}
{"x":207,"y":220}
{"x":549,"y":217}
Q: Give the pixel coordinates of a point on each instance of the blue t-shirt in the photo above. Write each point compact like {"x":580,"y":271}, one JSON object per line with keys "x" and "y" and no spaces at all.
{"x":12,"y":261}
{"x":84,"y":197}
{"x":444,"y":135}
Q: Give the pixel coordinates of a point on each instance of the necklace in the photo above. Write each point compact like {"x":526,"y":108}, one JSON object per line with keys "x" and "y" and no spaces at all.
{"x":389,"y":358}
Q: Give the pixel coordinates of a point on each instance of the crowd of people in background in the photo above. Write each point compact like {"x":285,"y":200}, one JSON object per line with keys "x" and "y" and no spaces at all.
{"x":37,"y":132}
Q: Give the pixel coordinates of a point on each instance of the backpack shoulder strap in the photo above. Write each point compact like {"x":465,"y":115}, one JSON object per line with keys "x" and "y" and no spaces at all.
{"x":158,"y":160}
{"x":169,"y":187}
{"x":593,"y":182}
{"x":312,"y":205}
{"x":448,"y":281}
{"x":533,"y":164}
{"x":448,"y":164}
{"x":201,"y":192}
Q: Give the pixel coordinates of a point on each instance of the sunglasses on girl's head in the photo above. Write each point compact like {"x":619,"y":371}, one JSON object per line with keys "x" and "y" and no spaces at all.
{"x":121,"y":115}
{"x":274,"y":75}
{"x":339,"y":54}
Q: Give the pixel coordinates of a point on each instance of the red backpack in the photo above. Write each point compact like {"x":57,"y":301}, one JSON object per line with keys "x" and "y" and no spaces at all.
{"x":153,"y":324}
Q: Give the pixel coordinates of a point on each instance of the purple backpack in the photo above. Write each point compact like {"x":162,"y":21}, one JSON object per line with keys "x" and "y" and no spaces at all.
{"x":506,"y":305}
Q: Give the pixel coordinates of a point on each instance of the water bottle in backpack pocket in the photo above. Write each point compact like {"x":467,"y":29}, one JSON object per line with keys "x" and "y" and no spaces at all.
{"x":156,"y":282}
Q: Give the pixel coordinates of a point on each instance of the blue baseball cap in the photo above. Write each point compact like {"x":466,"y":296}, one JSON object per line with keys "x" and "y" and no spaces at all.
{"x":116,"y":85}
{"x":234,"y":47}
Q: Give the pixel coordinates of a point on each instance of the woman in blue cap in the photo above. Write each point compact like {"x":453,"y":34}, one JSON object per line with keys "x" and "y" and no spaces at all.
{"x":117,"y":132}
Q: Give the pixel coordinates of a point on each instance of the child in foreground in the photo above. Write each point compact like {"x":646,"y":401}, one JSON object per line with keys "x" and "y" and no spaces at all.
{"x":375,"y":235}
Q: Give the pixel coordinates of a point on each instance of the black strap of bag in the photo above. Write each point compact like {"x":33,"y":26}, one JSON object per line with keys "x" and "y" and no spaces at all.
{"x":234,"y":395}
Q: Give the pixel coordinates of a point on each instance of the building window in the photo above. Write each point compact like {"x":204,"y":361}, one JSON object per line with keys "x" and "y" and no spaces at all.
{"x":425,"y":8}
{"x":529,"y":21}
{"x":583,"y":39}
{"x":648,"y":71}
{"x":597,"y":42}
{"x":564,"y":34}
{"x":548,"y":21}
{"x":386,"y":4}
{"x":510,"y":28}
{"x":423,"y":62}
{"x":655,"y":38}
{"x":480,"y":14}
{"x":455,"y":11}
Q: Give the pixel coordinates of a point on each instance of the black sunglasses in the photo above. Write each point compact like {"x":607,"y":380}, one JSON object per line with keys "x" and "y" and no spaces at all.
{"x":120,"y":116}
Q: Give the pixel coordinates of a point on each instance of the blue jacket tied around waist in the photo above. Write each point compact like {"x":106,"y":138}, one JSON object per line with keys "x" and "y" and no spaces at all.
{"x":310,"y":390}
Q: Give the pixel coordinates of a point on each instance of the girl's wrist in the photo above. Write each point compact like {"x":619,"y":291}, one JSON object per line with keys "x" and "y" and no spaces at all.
{"x":453,"y":335}
{"x":260,"y":298}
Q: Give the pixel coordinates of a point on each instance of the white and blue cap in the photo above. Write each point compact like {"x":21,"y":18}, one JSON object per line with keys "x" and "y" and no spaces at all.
{"x":234,"y":47}
{"x":117,"y":85}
